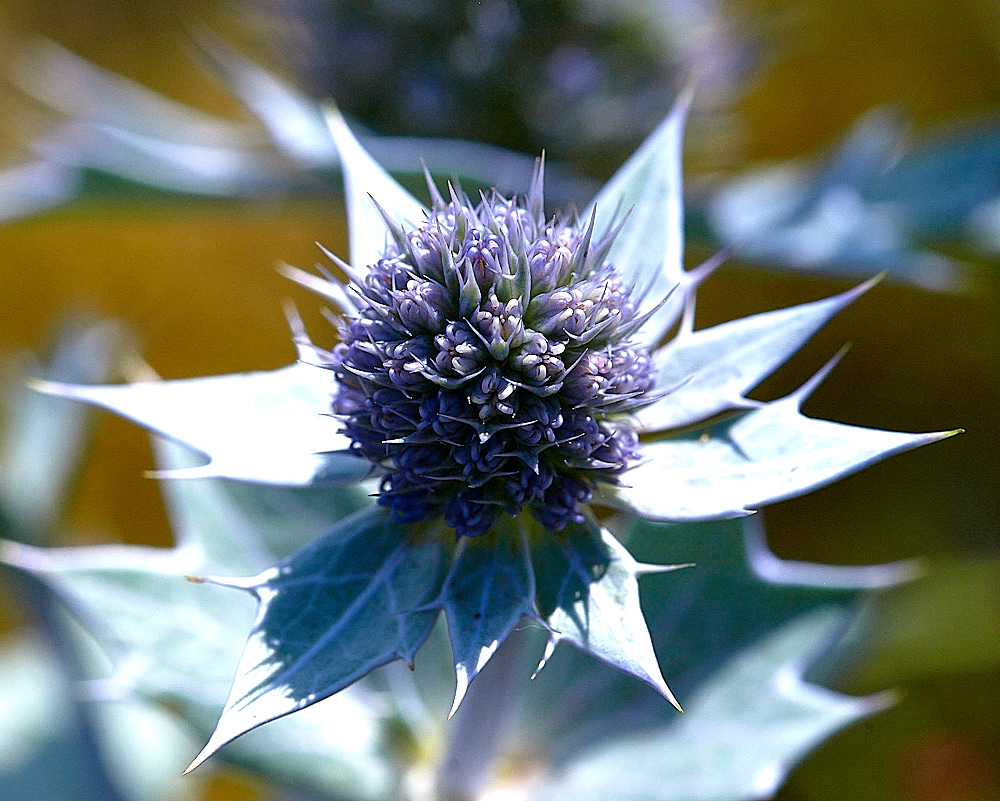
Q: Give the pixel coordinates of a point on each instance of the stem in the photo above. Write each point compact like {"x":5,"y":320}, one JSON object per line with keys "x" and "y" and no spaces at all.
{"x":482,"y":721}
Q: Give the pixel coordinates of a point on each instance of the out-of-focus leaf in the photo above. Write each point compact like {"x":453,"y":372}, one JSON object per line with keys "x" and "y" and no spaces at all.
{"x":79,"y":89}
{"x":942,"y":180}
{"x":242,"y":528}
{"x":108,"y":123}
{"x":182,"y":167}
{"x":756,"y":457}
{"x":744,"y":728}
{"x":43,"y":437}
{"x":156,"y":148}
{"x":299,"y":129}
{"x":146,"y":747}
{"x":30,"y":188}
{"x":295,"y":121}
{"x":117,"y":590}
{"x":864,"y":209}
{"x":294,"y":442}
{"x":42,"y":756}
{"x":36,"y":724}
{"x":709,"y":371}
{"x":42,"y":447}
{"x":943,"y":623}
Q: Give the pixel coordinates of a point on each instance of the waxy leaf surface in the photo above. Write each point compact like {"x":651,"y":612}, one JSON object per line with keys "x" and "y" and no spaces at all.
{"x":352,"y":600}
{"x":272,"y":427}
{"x":589,"y":595}
{"x":489,"y":589}
{"x":757,"y":457}
{"x":709,"y":371}
{"x":648,"y":250}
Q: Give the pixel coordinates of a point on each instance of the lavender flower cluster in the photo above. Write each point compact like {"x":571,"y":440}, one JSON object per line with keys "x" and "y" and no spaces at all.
{"x":489,"y":367}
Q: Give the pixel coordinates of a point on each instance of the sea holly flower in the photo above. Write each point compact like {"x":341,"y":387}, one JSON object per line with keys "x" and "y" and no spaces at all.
{"x":502,"y":376}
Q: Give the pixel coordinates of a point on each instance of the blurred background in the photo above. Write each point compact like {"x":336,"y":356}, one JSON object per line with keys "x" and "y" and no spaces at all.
{"x":148,"y":173}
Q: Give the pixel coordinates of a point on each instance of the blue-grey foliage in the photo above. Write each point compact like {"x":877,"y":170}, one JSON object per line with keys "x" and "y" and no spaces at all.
{"x":862,"y":208}
{"x":460,"y":324}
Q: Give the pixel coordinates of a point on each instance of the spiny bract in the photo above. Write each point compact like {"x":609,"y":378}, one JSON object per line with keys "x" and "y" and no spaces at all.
{"x":489,"y":365}
{"x":496,"y":371}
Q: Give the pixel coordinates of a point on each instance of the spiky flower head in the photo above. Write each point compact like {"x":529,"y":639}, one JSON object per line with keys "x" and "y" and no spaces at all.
{"x":497,"y":369}
{"x":489,"y":367}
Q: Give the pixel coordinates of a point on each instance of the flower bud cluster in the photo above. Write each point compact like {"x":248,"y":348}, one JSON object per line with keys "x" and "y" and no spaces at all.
{"x":490,"y":368}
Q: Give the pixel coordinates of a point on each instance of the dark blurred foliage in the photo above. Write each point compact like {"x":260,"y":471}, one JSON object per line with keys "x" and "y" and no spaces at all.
{"x":580,"y":80}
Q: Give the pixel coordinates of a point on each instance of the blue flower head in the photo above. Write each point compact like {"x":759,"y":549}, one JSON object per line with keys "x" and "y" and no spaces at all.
{"x":489,"y":365}
{"x":500,"y":372}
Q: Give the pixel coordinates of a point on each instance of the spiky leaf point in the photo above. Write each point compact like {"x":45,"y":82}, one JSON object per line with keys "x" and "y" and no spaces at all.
{"x":350,"y":601}
{"x":588,"y":595}
{"x":734,"y":467}
{"x":489,"y":589}
{"x":364,"y":181}
{"x":270,"y":427}
{"x":650,"y":246}
{"x":710,"y":371}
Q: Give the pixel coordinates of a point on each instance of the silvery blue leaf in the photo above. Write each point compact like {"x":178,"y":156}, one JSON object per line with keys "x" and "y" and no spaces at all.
{"x":489,"y":589}
{"x":649,"y":249}
{"x":272,"y":427}
{"x":754,"y":458}
{"x":588,"y":595}
{"x":36,"y":186}
{"x":44,"y":438}
{"x":365,"y":180}
{"x":743,"y":730}
{"x":44,"y":748}
{"x":294,"y":120}
{"x":709,"y":371}
{"x":350,"y":601}
{"x":81,"y":90}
